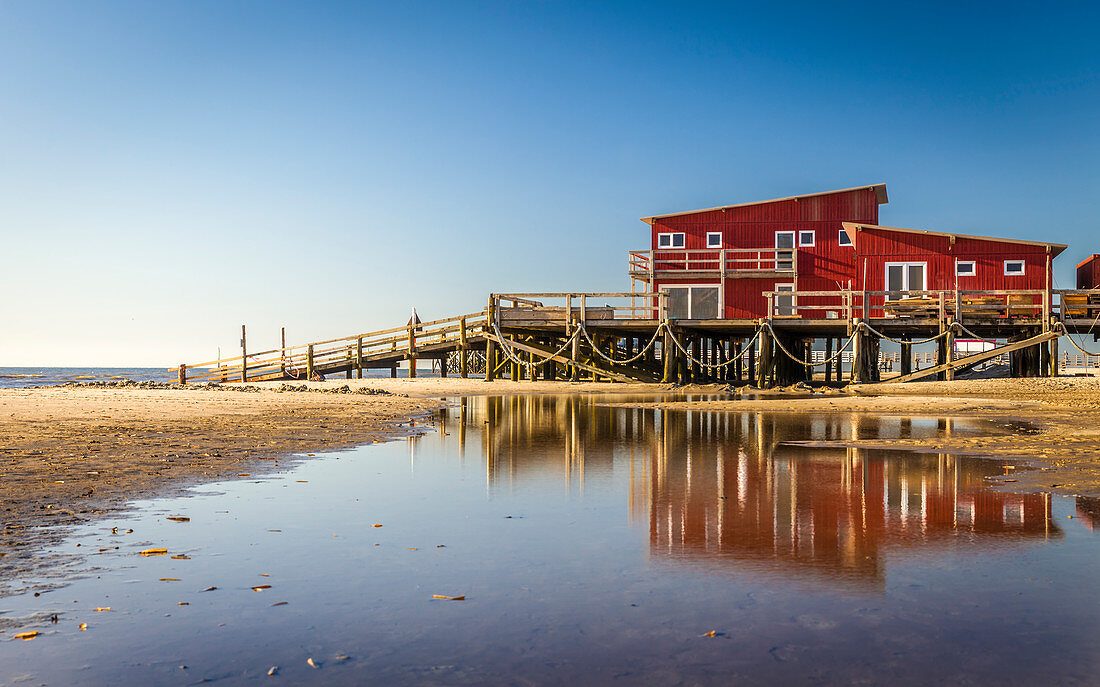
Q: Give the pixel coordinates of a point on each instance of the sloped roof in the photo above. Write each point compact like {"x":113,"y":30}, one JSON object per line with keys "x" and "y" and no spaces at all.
{"x":854,"y":227}
{"x":879,"y":189}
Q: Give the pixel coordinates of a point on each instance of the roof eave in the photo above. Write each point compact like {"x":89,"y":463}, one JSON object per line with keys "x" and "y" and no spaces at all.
{"x":880,"y":197}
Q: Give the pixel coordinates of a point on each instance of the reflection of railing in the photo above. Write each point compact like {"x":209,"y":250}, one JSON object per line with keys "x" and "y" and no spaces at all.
{"x":556,"y":308}
{"x":714,"y":261}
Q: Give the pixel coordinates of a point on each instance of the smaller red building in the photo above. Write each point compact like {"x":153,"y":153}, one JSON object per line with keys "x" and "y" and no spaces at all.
{"x":1088,"y":272}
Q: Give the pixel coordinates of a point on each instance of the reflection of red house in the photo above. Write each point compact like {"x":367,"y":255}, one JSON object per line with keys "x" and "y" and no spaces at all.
{"x":718,"y":262}
{"x":830,"y":511}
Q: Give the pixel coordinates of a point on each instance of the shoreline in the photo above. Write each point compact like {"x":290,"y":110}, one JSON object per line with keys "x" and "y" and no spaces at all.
{"x":74,"y":454}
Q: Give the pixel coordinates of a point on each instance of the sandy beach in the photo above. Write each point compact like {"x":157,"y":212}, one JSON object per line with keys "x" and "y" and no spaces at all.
{"x":73,"y":453}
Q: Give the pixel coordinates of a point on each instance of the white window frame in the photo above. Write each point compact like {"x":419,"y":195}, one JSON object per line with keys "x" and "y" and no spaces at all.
{"x":714,"y":235}
{"x":813,"y":238}
{"x":671,"y":240}
{"x":973,"y":268}
{"x":905,"y":275}
{"x":843,"y":234}
{"x":1021,"y":263}
{"x":791,"y":250}
{"x":712,"y":285}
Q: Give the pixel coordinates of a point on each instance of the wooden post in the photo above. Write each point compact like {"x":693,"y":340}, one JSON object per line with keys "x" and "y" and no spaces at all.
{"x":359,"y":357}
{"x":282,"y":353}
{"x":443,"y":366}
{"x":412,"y":351}
{"x":739,"y":363}
{"x":839,"y":362}
{"x":393,"y":372}
{"x":183,"y":373}
{"x":906,"y":357}
{"x":668,"y":357}
{"x":765,"y":358}
{"x":490,"y":363}
{"x":309,"y":363}
{"x":828,"y":354}
{"x":463,"y":363}
{"x":574,"y":355}
{"x":244,"y":356}
{"x":941,"y":350}
{"x":1054,"y":371}
{"x":859,"y":358}
{"x":350,"y":362}
{"x":949,"y":342}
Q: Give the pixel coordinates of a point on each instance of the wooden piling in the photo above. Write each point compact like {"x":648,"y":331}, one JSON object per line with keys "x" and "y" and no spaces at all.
{"x":490,"y":360}
{"x":359,"y":357}
{"x":906,"y":357}
{"x":463,"y":357}
{"x":764,"y":367}
{"x":309,"y":363}
{"x":183,"y":373}
{"x":668,"y":358}
{"x":412,"y":351}
{"x":739,"y":363}
{"x":828,"y":354}
{"x":282,"y":353}
{"x":949,"y":346}
{"x":244,"y":356}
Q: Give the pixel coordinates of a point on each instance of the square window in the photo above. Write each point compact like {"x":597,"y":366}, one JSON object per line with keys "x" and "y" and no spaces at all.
{"x":714,"y":239}
{"x":845,"y":240}
{"x":1014,"y":268}
{"x":670,"y":240}
{"x":806,"y":238}
{"x":965,"y":268}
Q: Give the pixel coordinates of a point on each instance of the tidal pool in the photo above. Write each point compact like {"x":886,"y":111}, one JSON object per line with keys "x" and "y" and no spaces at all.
{"x":592,"y":545}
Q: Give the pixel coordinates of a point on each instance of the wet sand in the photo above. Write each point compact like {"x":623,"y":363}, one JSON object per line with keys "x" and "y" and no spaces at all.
{"x":70,"y":454}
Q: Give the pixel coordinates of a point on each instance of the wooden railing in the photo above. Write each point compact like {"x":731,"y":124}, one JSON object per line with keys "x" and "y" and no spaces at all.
{"x":961,"y":304}
{"x":717,"y":261}
{"x":555,"y":308}
{"x":300,"y":361}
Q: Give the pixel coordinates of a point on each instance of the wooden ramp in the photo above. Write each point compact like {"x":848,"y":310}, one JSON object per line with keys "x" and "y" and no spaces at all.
{"x":384,"y":348}
{"x":976,"y":358}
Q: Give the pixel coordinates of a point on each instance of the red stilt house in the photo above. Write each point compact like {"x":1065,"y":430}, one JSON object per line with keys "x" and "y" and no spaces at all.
{"x":721,"y":262}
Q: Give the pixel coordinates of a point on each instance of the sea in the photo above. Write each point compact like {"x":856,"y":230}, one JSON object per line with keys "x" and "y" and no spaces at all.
{"x":25,"y":377}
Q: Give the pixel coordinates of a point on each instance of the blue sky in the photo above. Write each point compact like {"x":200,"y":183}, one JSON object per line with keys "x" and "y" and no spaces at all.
{"x":175,"y":169}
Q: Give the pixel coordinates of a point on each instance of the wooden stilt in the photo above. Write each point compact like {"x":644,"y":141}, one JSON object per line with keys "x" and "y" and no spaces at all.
{"x":949,"y":350}
{"x":764,"y":366}
{"x":668,"y":358}
{"x":359,"y":357}
{"x":309,"y":362}
{"x":490,"y":360}
{"x":244,"y":356}
{"x":906,"y":357}
{"x":828,"y":354}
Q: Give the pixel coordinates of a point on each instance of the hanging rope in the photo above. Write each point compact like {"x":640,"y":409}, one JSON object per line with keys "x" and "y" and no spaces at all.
{"x":901,"y":341}
{"x":510,"y":354}
{"x":652,"y":342}
{"x":790,"y":355}
{"x":1075,"y":345}
{"x":967,"y":331}
{"x":711,"y":366}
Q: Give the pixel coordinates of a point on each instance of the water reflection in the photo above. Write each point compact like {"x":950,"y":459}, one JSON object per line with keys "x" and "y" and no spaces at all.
{"x":731,"y":492}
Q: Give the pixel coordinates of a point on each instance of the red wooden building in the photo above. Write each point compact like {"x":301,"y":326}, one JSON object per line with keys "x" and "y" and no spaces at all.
{"x":719,"y":262}
{"x":1088,"y":272}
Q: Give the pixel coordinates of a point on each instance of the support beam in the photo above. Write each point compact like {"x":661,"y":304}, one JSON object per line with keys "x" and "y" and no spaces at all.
{"x":976,"y":358}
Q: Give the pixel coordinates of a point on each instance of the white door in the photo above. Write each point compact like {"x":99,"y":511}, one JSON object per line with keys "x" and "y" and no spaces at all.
{"x":906,"y":276}
{"x":784,"y":305}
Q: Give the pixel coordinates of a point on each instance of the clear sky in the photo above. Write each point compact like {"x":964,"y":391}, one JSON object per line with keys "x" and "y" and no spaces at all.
{"x":172,"y":170}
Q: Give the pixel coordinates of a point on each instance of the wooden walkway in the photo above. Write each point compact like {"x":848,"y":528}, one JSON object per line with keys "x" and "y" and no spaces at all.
{"x":629,"y":336}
